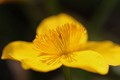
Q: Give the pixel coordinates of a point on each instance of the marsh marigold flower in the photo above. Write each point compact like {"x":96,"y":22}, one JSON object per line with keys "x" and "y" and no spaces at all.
{"x":62,"y":40}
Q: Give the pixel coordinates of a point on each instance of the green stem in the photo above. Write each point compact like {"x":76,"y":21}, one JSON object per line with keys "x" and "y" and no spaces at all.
{"x":67,"y":73}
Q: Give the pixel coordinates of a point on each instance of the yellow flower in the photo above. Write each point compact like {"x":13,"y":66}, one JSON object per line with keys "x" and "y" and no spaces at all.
{"x":62,"y":40}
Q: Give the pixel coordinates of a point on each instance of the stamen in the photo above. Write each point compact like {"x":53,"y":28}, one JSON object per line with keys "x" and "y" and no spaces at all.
{"x":64,"y":39}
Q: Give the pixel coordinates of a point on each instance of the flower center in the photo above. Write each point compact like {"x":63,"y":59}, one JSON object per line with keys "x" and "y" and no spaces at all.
{"x":62,"y":40}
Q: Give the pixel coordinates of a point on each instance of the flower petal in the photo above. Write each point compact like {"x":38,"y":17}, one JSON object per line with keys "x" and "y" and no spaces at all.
{"x":109,"y":50}
{"x":43,"y":63}
{"x":87,"y":60}
{"x":55,"y":21}
{"x":19,"y":50}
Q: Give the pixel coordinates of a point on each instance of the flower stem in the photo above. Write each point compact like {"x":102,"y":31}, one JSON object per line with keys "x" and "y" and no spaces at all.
{"x":67,"y":73}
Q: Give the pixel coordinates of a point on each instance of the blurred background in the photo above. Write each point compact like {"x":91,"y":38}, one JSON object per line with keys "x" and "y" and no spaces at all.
{"x":19,"y":19}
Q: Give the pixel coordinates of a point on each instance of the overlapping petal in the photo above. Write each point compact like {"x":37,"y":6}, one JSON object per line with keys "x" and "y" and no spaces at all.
{"x":109,"y":50}
{"x":87,"y":60}
{"x":19,"y":50}
{"x":43,"y":63}
{"x":55,"y":21}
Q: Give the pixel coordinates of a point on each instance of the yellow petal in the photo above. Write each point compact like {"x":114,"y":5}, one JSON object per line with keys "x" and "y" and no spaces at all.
{"x":55,"y":21}
{"x":43,"y":63}
{"x":87,"y":60}
{"x":19,"y":50}
{"x":109,"y":50}
{"x":24,"y":66}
